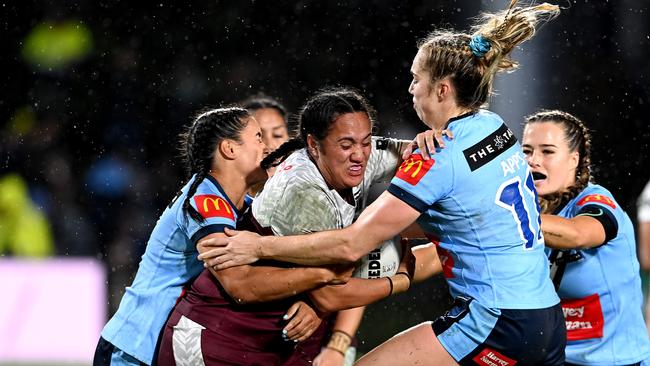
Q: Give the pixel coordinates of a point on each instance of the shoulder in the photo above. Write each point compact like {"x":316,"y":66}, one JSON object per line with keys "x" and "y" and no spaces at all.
{"x":296,"y":174}
{"x":296,"y":166}
{"x":296,"y":183}
{"x":299,"y":208}
{"x":480,"y":128}
{"x":595,"y":194}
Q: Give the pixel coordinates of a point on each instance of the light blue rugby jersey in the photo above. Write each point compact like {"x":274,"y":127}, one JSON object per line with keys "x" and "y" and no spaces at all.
{"x":479,"y":205}
{"x":601,"y":293}
{"x":169,"y":262}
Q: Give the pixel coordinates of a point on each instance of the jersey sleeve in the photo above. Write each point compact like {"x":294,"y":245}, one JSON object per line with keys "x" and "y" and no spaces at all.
{"x":217,"y":215}
{"x":302,"y":209}
{"x":385,"y":157}
{"x":421,"y":183}
{"x":601,"y":207}
{"x":643,"y":213}
{"x":604,"y":216}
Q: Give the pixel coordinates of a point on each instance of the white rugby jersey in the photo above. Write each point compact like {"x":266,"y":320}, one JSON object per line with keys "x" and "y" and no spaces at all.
{"x":297,"y":200}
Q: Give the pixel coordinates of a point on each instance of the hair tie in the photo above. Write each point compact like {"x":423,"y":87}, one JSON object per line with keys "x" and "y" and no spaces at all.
{"x":479,"y":45}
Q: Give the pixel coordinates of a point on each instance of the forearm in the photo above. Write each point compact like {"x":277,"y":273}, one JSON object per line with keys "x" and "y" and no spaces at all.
{"x":356,"y":292}
{"x":559,"y":233}
{"x":348,"y":320}
{"x":344,"y":329}
{"x":579,"y":232}
{"x":326,"y":247}
{"x":427,"y":262}
{"x":254,"y":284}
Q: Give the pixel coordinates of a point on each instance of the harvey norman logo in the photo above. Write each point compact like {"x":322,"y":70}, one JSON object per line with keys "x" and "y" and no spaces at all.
{"x":583,"y":318}
{"x":490,"y":357}
{"x":489,"y":148}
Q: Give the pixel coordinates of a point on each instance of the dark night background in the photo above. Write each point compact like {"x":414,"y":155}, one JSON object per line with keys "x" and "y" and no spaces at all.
{"x":95,"y":137}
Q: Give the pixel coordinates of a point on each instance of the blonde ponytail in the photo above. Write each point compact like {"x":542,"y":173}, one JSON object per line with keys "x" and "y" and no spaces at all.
{"x":471,"y":61}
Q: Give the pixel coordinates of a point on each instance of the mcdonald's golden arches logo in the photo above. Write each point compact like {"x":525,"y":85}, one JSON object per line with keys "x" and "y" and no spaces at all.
{"x":414,"y":168}
{"x":210,"y":205}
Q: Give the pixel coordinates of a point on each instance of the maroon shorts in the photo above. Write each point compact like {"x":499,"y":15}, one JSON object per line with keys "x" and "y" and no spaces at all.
{"x":189,"y":341}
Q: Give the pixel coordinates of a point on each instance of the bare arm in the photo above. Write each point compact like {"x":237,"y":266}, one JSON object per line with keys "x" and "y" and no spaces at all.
{"x":579,"y":232}
{"x":383,"y":219}
{"x":348,"y":320}
{"x":356,"y":292}
{"x":334,"y":354}
{"x":427,"y":262}
{"x":250,"y":284}
{"x":413,"y":231}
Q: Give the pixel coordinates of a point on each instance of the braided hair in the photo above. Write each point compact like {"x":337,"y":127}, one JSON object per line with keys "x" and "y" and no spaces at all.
{"x":316,"y":118}
{"x":472,"y":60}
{"x":201,"y":139}
{"x":578,"y":138}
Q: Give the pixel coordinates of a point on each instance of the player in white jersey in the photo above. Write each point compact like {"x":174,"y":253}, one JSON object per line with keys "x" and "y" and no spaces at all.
{"x":593,"y":256}
{"x":475,"y":199}
{"x":324,"y":186}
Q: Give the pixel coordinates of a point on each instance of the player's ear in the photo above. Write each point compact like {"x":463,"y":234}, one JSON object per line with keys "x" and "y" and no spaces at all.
{"x":574,"y":160}
{"x":312,"y":146}
{"x":228,"y":149}
{"x":443,"y":88}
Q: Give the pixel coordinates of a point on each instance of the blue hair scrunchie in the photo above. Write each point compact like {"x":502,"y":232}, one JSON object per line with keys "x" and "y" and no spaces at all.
{"x":479,"y":45}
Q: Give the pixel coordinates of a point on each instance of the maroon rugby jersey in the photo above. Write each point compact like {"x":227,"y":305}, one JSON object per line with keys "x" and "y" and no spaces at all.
{"x":257,"y":327}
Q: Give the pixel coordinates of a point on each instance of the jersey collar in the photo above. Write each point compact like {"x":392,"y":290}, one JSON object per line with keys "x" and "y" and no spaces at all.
{"x":216,"y":184}
{"x":454,"y":119}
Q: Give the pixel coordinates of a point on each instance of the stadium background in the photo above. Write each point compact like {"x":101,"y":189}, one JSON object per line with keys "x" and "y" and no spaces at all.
{"x":95,"y":93}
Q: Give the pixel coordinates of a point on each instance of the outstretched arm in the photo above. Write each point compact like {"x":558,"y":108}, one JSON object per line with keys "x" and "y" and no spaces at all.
{"x":250,"y":284}
{"x":383,"y":219}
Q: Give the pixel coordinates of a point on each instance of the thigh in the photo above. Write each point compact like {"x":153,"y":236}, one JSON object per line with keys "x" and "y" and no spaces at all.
{"x":414,"y":346}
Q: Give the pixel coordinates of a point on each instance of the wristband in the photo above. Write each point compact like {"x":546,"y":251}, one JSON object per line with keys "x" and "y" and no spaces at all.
{"x":390,"y":282}
{"x":339,"y":342}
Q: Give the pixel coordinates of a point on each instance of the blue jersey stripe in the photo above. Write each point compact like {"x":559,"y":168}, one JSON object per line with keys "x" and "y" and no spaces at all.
{"x":408,"y":198}
{"x":207,"y":230}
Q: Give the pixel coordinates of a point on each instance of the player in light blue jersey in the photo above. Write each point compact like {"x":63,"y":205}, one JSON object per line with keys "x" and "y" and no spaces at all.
{"x":223,"y":149}
{"x":594,"y":262}
{"x":476,"y":200}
